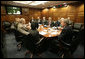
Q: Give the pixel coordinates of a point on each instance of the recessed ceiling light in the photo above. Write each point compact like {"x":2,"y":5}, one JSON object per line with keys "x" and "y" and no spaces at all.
{"x":23,"y":2}
{"x":38,"y":2}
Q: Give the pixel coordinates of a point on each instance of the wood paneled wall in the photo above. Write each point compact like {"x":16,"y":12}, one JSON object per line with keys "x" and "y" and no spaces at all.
{"x":27,"y":13}
{"x":80,"y":14}
{"x":74,"y":11}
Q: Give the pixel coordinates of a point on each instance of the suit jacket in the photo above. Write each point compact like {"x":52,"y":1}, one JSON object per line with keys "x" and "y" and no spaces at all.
{"x":66,"y":35}
{"x":39,"y":21}
{"x":53,"y":24}
{"x":32,"y":40}
{"x":57,"y":23}
{"x":21,"y":28}
{"x":35,"y":35}
{"x":45,"y":22}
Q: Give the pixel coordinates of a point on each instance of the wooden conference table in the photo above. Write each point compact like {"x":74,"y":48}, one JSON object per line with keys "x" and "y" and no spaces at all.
{"x":48,"y":31}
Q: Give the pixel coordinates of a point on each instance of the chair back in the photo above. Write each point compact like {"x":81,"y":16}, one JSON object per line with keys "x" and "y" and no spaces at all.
{"x":77,"y":26}
{"x":76,"y":41}
{"x":6,"y":25}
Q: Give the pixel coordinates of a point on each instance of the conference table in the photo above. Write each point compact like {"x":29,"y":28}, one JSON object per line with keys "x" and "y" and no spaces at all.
{"x":47,"y":31}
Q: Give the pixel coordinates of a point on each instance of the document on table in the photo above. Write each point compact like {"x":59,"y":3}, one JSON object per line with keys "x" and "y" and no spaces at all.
{"x":54,"y":32}
{"x":42,"y":33}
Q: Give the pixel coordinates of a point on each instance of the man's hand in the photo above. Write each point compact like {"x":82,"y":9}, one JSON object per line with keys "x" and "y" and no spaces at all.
{"x":60,"y":28}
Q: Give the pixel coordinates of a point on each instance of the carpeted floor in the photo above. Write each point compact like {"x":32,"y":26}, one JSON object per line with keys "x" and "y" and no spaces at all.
{"x":10,"y":50}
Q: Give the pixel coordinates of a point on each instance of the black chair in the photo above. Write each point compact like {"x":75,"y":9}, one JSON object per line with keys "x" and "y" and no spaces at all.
{"x":77,"y":27}
{"x":69,"y":48}
{"x":19,"y":39}
{"x":18,"y":36}
{"x":64,"y":49}
{"x":2,"y":39}
{"x":34,"y":44}
{"x":6,"y":25}
{"x":82,"y":35}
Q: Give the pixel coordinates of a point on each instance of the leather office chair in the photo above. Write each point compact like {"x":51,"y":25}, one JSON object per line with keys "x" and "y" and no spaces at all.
{"x":65,"y":49}
{"x":69,"y":48}
{"x":19,"y":38}
{"x":82,"y":35}
{"x":77,"y":27}
{"x":33,"y":44}
{"x":6,"y":25}
{"x":2,"y":39}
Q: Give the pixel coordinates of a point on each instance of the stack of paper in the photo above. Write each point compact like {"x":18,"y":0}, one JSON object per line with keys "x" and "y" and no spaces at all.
{"x":42,"y":33}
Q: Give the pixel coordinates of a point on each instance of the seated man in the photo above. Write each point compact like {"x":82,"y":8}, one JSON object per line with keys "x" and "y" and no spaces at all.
{"x":66,"y":34}
{"x":65,"y":38}
{"x":45,"y":22}
{"x":49,"y":21}
{"x":32,"y":20}
{"x":39,"y":20}
{"x":21,"y":31}
{"x":22,"y":27}
{"x":32,"y":43}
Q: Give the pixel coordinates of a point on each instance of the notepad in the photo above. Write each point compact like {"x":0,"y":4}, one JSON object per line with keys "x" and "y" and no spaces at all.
{"x":54,"y":33}
{"x":45,"y":30}
{"x":42,"y":33}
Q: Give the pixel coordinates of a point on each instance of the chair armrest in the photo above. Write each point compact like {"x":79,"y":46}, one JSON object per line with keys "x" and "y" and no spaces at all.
{"x":40,"y":41}
{"x":66,"y":44}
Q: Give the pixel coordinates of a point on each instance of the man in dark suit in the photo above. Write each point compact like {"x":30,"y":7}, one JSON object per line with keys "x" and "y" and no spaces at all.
{"x":45,"y":22}
{"x":53,"y":23}
{"x":66,"y":34}
{"x":57,"y":23}
{"x":32,"y":20}
{"x":65,"y":38}
{"x":49,"y":21}
{"x":32,"y":43}
{"x":39,"y":20}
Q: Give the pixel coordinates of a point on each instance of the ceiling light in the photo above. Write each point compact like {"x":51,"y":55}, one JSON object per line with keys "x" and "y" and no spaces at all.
{"x":38,"y":2}
{"x":64,"y":3}
{"x":23,"y":2}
